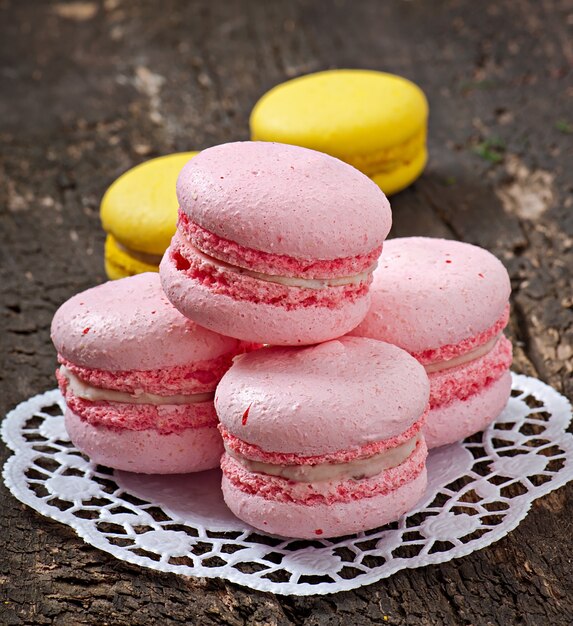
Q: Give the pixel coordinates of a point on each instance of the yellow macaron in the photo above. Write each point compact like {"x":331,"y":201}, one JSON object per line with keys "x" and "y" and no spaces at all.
{"x":139,"y":214}
{"x":372,"y":120}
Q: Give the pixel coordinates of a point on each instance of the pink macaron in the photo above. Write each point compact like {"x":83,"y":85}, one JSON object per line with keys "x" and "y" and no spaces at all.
{"x":275,"y":243}
{"x":446,"y":303}
{"x":139,"y":378}
{"x":323,"y":441}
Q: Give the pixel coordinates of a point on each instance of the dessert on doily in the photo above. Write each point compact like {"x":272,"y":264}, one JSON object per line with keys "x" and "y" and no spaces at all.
{"x":277,"y":244}
{"x":330,"y":442}
{"x":324,"y":432}
{"x":345,"y":425}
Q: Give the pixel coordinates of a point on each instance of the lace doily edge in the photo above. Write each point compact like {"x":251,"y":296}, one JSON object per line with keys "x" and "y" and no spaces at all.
{"x":522,"y":505}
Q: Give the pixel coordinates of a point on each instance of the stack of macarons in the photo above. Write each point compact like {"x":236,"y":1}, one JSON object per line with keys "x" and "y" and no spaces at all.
{"x":325,"y":430}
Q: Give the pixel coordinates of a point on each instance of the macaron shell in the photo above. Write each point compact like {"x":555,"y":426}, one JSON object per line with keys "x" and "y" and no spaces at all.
{"x":289,"y":519}
{"x":427,"y":293}
{"x":339,"y":395}
{"x":129,"y":324}
{"x":284,"y":199}
{"x":462,"y":418}
{"x":394,"y":180}
{"x":258,"y":322}
{"x":147,"y":451}
{"x":140,"y":208}
{"x":341,"y":112}
{"x":119,"y":264}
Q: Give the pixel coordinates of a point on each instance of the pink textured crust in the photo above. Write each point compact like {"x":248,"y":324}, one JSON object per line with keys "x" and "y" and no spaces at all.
{"x":255,"y":453}
{"x":222,"y":281}
{"x":284,"y":200}
{"x":163,"y":419}
{"x":197,"y":377}
{"x":430,"y":293}
{"x":319,"y":400}
{"x":129,"y":324}
{"x":467,"y":345}
{"x":321,"y":520}
{"x":459,"y":383}
{"x":276,"y":264}
{"x":256,"y":321}
{"x":276,"y":488}
{"x":147,"y":451}
{"x":462,"y":418}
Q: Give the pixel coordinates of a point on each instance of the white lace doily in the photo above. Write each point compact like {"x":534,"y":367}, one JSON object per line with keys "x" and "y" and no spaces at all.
{"x":478,"y":491}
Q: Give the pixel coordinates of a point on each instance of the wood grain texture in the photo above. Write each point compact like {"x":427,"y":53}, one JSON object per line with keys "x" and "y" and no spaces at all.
{"x":88,"y":89}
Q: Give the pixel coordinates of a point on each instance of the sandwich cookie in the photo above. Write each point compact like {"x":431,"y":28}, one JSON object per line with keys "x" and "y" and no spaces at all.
{"x":323,"y":441}
{"x":446,"y":303}
{"x":275,"y":244}
{"x":139,"y":378}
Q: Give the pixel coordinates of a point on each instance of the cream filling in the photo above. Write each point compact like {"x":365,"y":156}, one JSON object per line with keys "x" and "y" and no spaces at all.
{"x":357,"y":469}
{"x":472,"y":355}
{"x":143,"y":257}
{"x":290,"y":281}
{"x":82,"y":390}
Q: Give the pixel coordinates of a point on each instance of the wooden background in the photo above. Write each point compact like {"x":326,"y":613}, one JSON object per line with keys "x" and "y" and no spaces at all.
{"x":89,"y":89}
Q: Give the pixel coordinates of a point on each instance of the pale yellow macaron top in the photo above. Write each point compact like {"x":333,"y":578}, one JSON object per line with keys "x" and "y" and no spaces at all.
{"x":373,"y":120}
{"x":139,"y":213}
{"x":139,"y":210}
